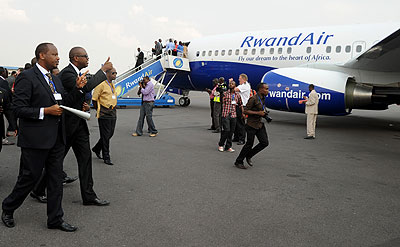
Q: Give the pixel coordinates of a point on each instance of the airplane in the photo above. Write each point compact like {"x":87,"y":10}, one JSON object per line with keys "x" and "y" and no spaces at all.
{"x":351,"y":67}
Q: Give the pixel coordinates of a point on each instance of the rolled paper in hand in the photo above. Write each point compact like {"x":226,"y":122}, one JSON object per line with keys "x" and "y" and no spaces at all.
{"x":79,"y":113}
{"x":302,"y":101}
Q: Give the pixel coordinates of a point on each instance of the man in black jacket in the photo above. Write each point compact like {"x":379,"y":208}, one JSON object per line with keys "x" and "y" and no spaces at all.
{"x":37,"y":101}
{"x":76,"y":128}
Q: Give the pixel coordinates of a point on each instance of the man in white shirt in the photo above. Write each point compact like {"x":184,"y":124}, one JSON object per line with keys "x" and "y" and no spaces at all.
{"x":243,"y":89}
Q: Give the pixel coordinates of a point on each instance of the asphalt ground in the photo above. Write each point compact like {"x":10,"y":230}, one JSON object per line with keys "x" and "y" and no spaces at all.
{"x":341,"y":189}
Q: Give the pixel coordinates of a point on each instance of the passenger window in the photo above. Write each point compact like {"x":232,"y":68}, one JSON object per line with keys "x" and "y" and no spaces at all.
{"x":253,"y":52}
{"x":223,"y":53}
{"x":197,"y":54}
{"x":203,"y":53}
{"x":245,"y":52}
{"x":230,"y":52}
{"x":237,"y":52}
{"x":279,"y":50}
{"x":338,"y":49}
{"x":328,"y":49}
{"x":289,"y":50}
{"x":308,"y":49}
{"x":271,"y":51}
{"x":216,"y":52}
{"x":262,"y":51}
{"x":359,"y":48}
{"x":209,"y":53}
{"x":347,"y":49}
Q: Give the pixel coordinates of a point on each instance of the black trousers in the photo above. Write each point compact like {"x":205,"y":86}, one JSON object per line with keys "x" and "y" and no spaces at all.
{"x":228,"y":127}
{"x":32,"y":163}
{"x":107,"y":127}
{"x":80,"y":144}
{"x":248,"y":151}
{"x":240,"y":131}
{"x":212,"y":114}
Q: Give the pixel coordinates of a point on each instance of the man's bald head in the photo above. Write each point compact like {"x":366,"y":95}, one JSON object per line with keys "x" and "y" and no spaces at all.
{"x":79,"y":57}
{"x":76,"y":51}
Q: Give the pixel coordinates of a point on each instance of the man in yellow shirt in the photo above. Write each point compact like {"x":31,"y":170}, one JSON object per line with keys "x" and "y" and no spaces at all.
{"x":105,"y":100}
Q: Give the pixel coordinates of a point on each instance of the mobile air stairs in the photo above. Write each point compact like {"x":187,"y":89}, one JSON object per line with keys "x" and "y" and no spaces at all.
{"x":155,"y":68}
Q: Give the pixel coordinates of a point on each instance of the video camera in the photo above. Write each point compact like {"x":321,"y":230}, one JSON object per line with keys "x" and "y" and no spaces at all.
{"x":267,"y":117}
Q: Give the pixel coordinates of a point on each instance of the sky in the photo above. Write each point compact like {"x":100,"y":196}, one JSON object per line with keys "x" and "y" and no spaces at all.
{"x":116,"y":28}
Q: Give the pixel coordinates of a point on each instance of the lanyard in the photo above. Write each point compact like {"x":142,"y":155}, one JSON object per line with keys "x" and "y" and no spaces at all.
{"x":45,"y":76}
{"x":260,"y":101}
{"x":109,"y":84}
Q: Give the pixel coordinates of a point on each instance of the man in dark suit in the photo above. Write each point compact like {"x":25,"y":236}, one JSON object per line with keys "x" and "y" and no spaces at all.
{"x":76,"y":128}
{"x":139,"y":59}
{"x":37,"y":101}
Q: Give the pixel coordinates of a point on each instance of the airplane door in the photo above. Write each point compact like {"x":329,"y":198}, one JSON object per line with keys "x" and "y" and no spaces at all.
{"x":358,"y":48}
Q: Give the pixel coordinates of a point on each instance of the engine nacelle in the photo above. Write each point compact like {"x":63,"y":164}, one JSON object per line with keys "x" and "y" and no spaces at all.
{"x":289,"y":85}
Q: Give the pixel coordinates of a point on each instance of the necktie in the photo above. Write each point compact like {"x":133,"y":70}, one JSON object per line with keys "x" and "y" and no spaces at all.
{"x":51,"y":84}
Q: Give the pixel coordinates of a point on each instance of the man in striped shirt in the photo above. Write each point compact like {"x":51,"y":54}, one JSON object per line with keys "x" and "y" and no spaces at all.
{"x":229,"y":101}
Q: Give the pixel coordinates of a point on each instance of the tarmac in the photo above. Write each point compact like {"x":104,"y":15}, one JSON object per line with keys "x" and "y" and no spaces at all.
{"x":341,"y":189}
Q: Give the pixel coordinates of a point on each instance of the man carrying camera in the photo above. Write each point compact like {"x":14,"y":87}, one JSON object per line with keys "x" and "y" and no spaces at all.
{"x":255,"y":126}
{"x":219,"y":90}
{"x":146,"y":109}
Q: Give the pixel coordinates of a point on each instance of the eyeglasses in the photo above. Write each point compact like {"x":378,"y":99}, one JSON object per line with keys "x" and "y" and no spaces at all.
{"x":85,"y":56}
{"x":114,"y":73}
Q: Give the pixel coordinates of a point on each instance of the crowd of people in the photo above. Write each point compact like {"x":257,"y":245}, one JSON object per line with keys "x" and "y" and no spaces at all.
{"x":230,"y":106}
{"x":172,"y":47}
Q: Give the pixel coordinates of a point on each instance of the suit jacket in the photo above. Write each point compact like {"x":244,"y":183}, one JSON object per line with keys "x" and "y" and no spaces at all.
{"x":32,"y":92}
{"x":68,"y":78}
{"x":312,"y":103}
{"x":140,"y":59}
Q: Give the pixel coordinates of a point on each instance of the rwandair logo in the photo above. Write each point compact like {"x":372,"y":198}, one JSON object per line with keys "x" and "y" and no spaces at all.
{"x":178,"y":63}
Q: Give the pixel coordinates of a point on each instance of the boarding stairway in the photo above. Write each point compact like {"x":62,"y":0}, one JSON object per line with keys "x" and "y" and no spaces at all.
{"x":153,"y":67}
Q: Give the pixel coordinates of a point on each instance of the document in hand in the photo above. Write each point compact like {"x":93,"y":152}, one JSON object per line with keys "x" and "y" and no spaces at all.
{"x":79,"y":113}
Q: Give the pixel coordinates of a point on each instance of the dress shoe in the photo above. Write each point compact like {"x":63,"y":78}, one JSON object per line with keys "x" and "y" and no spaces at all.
{"x":249,"y":161}
{"x":216,"y":131}
{"x":309,"y":137}
{"x":8,"y":219}
{"x":68,"y":180}
{"x":97,"y":202}
{"x":211,"y":128}
{"x":108,"y":162}
{"x":42,"y":199}
{"x":64,"y":227}
{"x":240,"y":165}
{"x":98,"y":155}
{"x":240,"y":143}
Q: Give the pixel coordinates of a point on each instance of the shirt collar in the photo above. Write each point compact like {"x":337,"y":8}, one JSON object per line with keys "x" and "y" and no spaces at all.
{"x":43,"y":70}
{"x":75,"y":68}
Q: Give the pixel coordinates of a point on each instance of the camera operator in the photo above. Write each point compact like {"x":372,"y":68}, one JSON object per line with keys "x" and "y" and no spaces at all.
{"x":221,"y":88}
{"x":255,"y":126}
{"x":146,"y":109}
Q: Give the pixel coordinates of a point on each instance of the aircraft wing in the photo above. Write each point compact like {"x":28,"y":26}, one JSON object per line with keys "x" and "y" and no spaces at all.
{"x":382,"y":57}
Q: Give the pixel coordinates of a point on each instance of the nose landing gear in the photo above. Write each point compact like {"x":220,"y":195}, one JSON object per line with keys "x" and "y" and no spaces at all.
{"x":184,"y":101}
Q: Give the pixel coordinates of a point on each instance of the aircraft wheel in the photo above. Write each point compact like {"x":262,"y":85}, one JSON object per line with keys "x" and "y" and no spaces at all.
{"x":182,"y":101}
{"x":187,"y":101}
